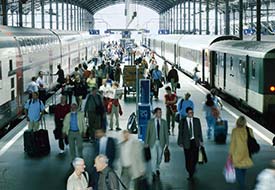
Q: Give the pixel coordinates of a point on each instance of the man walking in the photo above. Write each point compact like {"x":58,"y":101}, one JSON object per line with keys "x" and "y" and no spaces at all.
{"x":173,"y":77}
{"x":156,"y":138}
{"x":190,"y":138}
{"x":74,"y":128}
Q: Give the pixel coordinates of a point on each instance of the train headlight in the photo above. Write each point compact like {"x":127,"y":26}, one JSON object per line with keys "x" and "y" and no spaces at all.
{"x":272,"y":88}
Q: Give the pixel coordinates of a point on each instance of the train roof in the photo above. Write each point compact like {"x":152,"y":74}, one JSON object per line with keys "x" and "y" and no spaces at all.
{"x":200,"y":42}
{"x":258,"y":49}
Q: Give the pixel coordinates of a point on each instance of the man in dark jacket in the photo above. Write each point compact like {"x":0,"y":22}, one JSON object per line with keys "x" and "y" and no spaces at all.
{"x":108,"y":180}
{"x":173,"y":77}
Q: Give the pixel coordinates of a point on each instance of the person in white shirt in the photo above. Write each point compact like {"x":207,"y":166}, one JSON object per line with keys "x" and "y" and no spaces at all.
{"x":79,"y":180}
{"x":32,"y":87}
{"x":41,"y":87}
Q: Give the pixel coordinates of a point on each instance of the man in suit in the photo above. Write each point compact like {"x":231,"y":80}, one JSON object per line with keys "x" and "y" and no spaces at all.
{"x":156,"y":138}
{"x":190,"y":138}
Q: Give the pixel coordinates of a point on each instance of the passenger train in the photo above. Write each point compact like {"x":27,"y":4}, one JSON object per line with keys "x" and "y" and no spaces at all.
{"x":26,"y":51}
{"x":241,"y":70}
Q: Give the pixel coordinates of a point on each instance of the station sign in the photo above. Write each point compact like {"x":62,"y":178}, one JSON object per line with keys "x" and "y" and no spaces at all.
{"x":94,"y":32}
{"x":163,"y":31}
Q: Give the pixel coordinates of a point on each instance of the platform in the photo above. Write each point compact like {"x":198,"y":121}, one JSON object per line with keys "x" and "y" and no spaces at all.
{"x":18,"y":171}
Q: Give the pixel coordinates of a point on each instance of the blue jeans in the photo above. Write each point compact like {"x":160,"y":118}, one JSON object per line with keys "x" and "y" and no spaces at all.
{"x":210,"y":125}
{"x":240,"y":177}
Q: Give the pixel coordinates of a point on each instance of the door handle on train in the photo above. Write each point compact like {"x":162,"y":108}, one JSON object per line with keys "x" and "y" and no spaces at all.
{"x":231,"y":75}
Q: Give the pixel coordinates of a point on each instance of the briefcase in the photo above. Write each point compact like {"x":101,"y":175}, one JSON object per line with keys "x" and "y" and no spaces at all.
{"x":166,"y":154}
{"x":147,"y":153}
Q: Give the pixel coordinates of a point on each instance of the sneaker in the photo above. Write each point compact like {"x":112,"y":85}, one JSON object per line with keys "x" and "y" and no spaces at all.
{"x":110,"y":129}
{"x":118,"y":129}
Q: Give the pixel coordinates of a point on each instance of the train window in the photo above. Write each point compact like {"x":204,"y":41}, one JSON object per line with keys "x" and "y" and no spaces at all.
{"x":12,"y":95}
{"x":253,"y":71}
{"x":231,"y":64}
{"x":10,"y":63}
{"x":12,"y":83}
{"x":242,"y":66}
{"x":0,"y":70}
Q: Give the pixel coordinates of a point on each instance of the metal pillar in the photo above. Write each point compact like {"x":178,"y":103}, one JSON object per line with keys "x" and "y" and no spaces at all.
{"x":71,"y":15}
{"x":42,"y":13}
{"x":227,"y":18}
{"x":207,"y":17}
{"x":177,"y":19}
{"x":189,"y":17}
{"x":181,"y":16}
{"x":57,"y":13}
{"x":51,"y":15}
{"x":194,"y":17}
{"x":184,"y":16}
{"x":32,"y":15}
{"x":234,"y":21}
{"x":216,"y":17}
{"x":77,"y":19}
{"x":62,"y":16}
{"x":74,"y":17}
{"x":67,"y":14}
{"x":20,"y":14}
{"x":241,"y":19}
{"x":267,"y":12}
{"x":171,"y":21}
{"x":258,"y":31}
{"x":251,"y":17}
{"x":4,"y":12}
{"x":200,"y":17}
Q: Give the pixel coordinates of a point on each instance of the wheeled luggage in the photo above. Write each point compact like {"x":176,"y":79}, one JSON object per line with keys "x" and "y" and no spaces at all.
{"x":220,"y":131}
{"x":36,"y":143}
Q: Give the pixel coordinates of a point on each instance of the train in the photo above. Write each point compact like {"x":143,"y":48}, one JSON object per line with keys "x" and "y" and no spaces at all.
{"x":26,"y":51}
{"x":240,"y":70}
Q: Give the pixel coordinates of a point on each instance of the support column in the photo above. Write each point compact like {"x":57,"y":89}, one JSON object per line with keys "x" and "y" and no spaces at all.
{"x":184,"y":17}
{"x":171,"y":21}
{"x":42,"y":14}
{"x":258,"y":8}
{"x":177,"y":18}
{"x":74,"y":17}
{"x":200,"y":17}
{"x":194,"y":17}
{"x":20,"y":14}
{"x":67,"y":14}
{"x":251,"y":17}
{"x":181,"y":16}
{"x":32,"y":14}
{"x":62,"y":15}
{"x":234,"y":21}
{"x":12,"y":19}
{"x":77,"y":20}
{"x":207,"y":17}
{"x":241,"y":19}
{"x":51,"y":15}
{"x":71,"y":15}
{"x":189,"y":17}
{"x":227,"y":18}
{"x":4,"y":12}
{"x":216,"y":17}
{"x":57,"y":13}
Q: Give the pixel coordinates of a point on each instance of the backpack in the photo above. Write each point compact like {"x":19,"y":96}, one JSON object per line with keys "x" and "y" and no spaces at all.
{"x":132,"y":124}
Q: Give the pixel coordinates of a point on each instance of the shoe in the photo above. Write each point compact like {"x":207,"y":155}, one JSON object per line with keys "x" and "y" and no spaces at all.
{"x":118,"y":129}
{"x":190,"y":178}
{"x":158,"y":173}
{"x":61,"y":151}
{"x":169,"y":132}
{"x":110,"y":129}
{"x":154,"y":177}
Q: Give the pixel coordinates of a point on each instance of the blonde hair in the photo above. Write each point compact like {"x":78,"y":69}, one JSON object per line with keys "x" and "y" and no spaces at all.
{"x":241,"y":121}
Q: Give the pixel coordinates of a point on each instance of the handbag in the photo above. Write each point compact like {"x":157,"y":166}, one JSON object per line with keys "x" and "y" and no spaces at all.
{"x":147,"y":153}
{"x":166,"y":154}
{"x":202,"y":156}
{"x":253,"y":146}
{"x":229,"y":171}
{"x":177,"y":117}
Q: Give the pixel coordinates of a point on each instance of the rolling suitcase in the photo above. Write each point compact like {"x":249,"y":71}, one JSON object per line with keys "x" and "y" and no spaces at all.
{"x":220,"y":131}
{"x":42,"y":139}
{"x":30,"y":145}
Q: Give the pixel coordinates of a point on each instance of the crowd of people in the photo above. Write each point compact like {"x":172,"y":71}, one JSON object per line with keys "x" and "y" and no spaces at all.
{"x":75,"y":122}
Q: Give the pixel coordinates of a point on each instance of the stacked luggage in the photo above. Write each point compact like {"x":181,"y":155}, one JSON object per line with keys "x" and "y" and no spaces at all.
{"x":36,"y":143}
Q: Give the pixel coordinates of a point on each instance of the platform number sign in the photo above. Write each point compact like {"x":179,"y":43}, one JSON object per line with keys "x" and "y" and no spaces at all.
{"x":163,"y":32}
{"x":94,"y":32}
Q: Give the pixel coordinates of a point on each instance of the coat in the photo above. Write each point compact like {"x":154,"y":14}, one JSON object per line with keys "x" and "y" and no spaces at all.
{"x":80,"y":121}
{"x":110,"y":150}
{"x":151,"y":134}
{"x":184,"y":136}
{"x":238,"y":148}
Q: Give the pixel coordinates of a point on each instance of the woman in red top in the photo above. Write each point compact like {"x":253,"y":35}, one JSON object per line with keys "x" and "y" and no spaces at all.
{"x":60,"y":112}
{"x":171,"y":108}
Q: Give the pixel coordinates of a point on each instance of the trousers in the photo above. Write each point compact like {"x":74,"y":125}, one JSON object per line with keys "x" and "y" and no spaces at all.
{"x":75,"y":142}
{"x":156,"y":156}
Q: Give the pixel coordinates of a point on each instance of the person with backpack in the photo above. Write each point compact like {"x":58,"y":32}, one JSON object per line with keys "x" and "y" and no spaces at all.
{"x":108,"y":179}
{"x":209,"y":108}
{"x":79,"y":178}
{"x":183,"y":104}
{"x":34,"y":109}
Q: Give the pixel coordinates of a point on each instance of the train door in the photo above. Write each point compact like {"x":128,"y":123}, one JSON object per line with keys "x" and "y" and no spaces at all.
{"x":175,"y":53}
{"x":19,"y":82}
{"x":86,"y":53}
{"x":222,"y":71}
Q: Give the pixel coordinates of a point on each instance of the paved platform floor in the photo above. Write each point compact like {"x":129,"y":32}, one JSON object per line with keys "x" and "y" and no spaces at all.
{"x":19,"y":172}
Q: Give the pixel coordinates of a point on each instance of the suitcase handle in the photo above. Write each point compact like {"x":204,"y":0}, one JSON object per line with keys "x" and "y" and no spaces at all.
{"x":43,"y":122}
